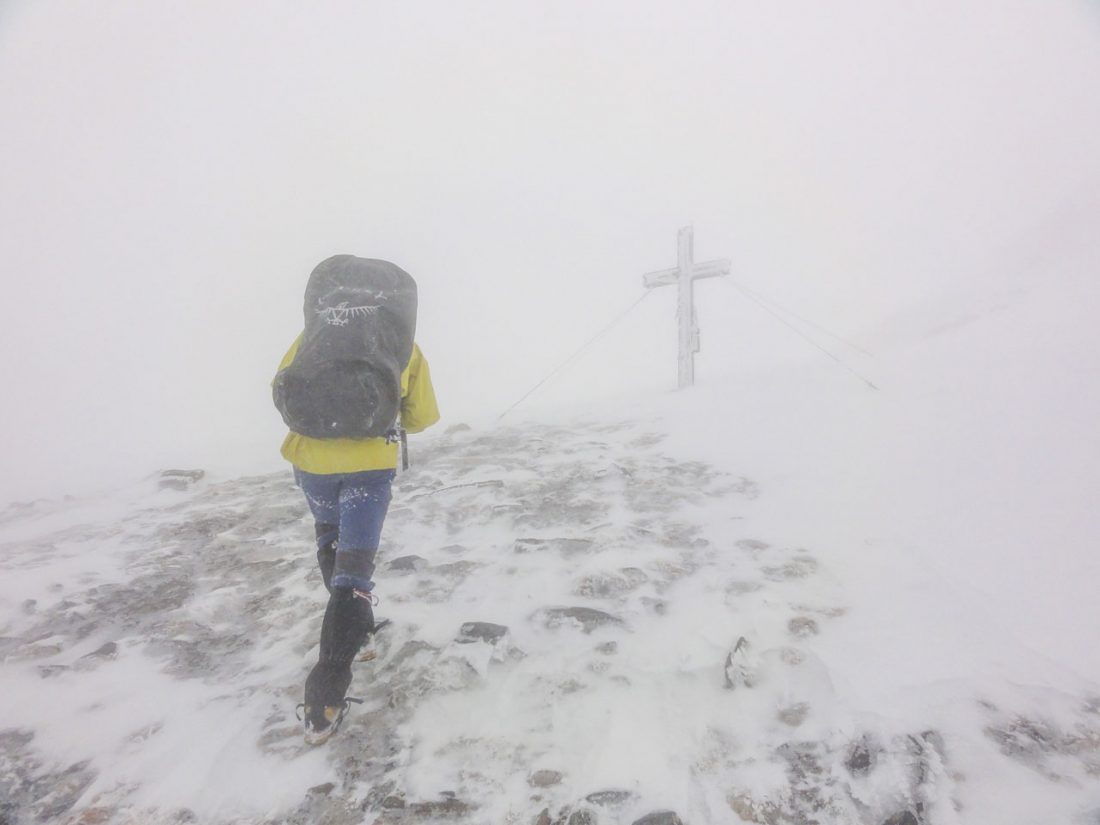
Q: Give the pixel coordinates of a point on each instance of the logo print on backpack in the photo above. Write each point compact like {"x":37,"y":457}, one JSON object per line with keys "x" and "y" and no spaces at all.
{"x":339,"y":315}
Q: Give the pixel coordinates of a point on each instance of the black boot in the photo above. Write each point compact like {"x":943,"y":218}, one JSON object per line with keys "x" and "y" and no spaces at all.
{"x":349,"y":620}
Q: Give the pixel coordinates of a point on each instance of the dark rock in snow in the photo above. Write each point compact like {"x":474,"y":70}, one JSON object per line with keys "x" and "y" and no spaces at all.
{"x":753,"y":545}
{"x":608,"y":584}
{"x":660,"y":818}
{"x":106,"y":651}
{"x":544,"y":779}
{"x":407,"y":564}
{"x":544,"y":817}
{"x":529,"y":545}
{"x":802,"y":626}
{"x":448,"y":806}
{"x":456,"y":570}
{"x":610,"y":798}
{"x":481,"y":632}
{"x":322,"y":790}
{"x":794,"y":715}
{"x":902,"y":818}
{"x":179,"y":479}
{"x":567,"y":547}
{"x":582,"y":817}
{"x":858,"y":761}
{"x":32,"y":651}
{"x":739,"y":669}
{"x":63,"y":790}
{"x":752,"y":810}
{"x":29,"y":606}
{"x":588,"y":617}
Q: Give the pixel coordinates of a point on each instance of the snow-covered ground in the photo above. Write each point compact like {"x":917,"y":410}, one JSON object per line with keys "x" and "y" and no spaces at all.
{"x":910,"y":573}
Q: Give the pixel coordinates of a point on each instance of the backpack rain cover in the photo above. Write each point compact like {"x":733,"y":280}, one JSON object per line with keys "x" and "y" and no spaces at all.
{"x":345,"y":379}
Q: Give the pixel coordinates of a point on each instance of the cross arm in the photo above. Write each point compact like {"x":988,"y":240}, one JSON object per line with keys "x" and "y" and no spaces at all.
{"x":709,"y":269}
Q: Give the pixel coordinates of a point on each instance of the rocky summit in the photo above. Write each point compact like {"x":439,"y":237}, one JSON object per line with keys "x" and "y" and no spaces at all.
{"x":583,"y":629}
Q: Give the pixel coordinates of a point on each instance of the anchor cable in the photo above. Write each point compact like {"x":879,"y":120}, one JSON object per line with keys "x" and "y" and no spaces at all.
{"x":568,"y":361}
{"x":804,"y":320}
{"x":749,"y":294}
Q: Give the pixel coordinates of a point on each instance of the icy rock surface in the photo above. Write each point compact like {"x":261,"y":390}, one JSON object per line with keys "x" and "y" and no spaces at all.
{"x":566,"y":606}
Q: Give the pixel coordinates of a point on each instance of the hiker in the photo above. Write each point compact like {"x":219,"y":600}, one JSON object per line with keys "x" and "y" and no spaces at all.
{"x":349,"y":388}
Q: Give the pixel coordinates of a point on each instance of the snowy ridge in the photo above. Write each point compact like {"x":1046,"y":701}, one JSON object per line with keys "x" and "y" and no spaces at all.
{"x":565,"y":604}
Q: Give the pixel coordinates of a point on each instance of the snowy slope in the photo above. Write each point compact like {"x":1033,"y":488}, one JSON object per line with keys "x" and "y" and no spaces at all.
{"x":918,"y":638}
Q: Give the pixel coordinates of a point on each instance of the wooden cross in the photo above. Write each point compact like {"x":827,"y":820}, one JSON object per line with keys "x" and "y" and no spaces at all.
{"x":686,"y":273}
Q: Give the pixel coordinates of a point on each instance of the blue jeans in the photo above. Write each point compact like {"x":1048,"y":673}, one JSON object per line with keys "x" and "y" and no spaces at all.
{"x":349,"y":509}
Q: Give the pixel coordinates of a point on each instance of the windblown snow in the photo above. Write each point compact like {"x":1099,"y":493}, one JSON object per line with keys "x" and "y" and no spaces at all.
{"x":587,"y":627}
{"x":724,"y":606}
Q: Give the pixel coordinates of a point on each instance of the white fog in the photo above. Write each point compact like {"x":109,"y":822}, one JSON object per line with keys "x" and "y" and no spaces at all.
{"x":912,"y":188}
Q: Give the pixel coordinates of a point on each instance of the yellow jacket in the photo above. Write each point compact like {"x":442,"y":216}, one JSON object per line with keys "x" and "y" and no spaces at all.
{"x":352,"y":455}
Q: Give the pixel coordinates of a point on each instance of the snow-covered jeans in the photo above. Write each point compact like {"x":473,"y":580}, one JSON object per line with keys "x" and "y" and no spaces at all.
{"x":349,"y":509}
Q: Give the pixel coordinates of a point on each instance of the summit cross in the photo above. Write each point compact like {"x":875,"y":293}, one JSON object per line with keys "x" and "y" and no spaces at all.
{"x":684,"y":275}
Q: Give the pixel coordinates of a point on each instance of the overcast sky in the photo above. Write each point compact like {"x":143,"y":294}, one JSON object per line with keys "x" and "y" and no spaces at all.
{"x":172,"y":171}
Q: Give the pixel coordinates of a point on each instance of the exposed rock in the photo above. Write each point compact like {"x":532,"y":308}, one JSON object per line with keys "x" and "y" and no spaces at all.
{"x":902,"y":818}
{"x":34,"y":651}
{"x":407,"y":564}
{"x":802,"y":627}
{"x":797,"y":568}
{"x":741,"y":666}
{"x":411,"y":650}
{"x":545,"y":779}
{"x":179,"y":479}
{"x":608,"y":584}
{"x":393,"y":802}
{"x":791,"y":656}
{"x":530,"y":545}
{"x":608,"y":648}
{"x":758,"y":812}
{"x":740,"y":588}
{"x":322,"y":790}
{"x":544,"y":817}
{"x":611,"y":798}
{"x":105,"y":651}
{"x":588,"y":617}
{"x":859,"y":759}
{"x":456,"y":570}
{"x":567,"y":547}
{"x":827,"y":612}
{"x":660,"y":818}
{"x":89,"y":816}
{"x":29,"y":606}
{"x":794,"y":715}
{"x":753,"y":545}
{"x":583,"y":816}
{"x":481,"y":632}
{"x":63,"y":790}
{"x":803,"y":759}
{"x":450,"y":805}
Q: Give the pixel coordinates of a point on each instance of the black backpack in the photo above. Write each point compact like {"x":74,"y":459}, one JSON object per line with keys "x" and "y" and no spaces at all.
{"x":345,"y":380}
